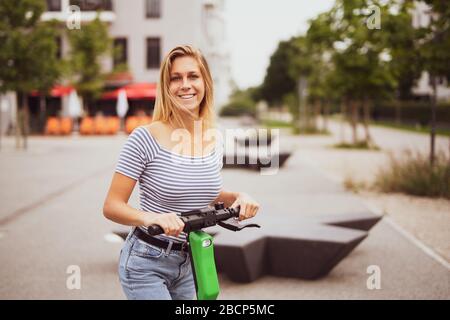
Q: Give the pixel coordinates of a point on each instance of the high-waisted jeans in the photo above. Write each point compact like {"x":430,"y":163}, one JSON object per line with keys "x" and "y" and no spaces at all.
{"x":149,"y":272}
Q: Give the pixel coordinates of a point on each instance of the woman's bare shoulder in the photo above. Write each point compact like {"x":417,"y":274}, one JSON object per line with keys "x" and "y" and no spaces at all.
{"x":156,"y":128}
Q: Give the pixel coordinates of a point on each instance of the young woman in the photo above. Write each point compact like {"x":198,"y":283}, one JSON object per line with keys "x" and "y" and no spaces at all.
{"x":174,"y":176}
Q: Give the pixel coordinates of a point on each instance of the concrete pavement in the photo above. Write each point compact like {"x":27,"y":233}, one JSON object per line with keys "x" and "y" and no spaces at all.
{"x":51,"y":218}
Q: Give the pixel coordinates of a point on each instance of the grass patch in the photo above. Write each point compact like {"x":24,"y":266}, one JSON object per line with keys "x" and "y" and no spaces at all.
{"x":412,"y":128}
{"x":276,"y":124}
{"x":412,"y":174}
{"x":354,"y":186}
{"x":362,"y":145}
{"x":309,"y":131}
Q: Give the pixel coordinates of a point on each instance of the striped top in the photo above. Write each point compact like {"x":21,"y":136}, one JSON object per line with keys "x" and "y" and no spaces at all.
{"x":168,"y":181}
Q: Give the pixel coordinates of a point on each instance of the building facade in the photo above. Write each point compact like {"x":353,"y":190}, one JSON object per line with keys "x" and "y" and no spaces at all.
{"x":144,"y":31}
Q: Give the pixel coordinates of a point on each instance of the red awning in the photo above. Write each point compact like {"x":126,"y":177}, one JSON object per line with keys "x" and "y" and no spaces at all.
{"x":134,"y":91}
{"x":56,"y":91}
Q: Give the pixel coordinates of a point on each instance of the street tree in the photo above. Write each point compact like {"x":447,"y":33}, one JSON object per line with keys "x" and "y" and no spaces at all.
{"x":28,"y":56}
{"x":435,"y":52}
{"x":88,"y":45}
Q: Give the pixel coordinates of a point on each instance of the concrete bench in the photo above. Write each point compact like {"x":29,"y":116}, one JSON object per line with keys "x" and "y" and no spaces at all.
{"x":254,"y":162}
{"x":304,"y":248}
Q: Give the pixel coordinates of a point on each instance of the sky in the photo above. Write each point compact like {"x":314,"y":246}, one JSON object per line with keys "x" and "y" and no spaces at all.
{"x":254,"y":28}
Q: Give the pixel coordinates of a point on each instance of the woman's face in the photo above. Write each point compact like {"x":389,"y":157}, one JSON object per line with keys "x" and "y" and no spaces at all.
{"x":186,"y":83}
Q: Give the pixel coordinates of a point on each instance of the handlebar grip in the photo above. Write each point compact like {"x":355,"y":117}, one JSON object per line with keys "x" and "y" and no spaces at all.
{"x":155,"y":229}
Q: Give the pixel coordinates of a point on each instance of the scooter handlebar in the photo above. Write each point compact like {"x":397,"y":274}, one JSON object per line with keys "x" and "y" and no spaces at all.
{"x":154,"y":230}
{"x":198,"y":219}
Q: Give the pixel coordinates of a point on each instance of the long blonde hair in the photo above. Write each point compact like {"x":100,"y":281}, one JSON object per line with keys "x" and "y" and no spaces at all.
{"x":167,"y":109}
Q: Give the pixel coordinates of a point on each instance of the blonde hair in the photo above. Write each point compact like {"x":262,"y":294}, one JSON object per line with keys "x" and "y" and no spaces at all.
{"x":167,"y":109}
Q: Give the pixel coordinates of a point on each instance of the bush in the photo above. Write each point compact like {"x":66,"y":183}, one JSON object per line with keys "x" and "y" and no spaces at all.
{"x":358,"y":145}
{"x":414,"y":175}
{"x":239,"y":107}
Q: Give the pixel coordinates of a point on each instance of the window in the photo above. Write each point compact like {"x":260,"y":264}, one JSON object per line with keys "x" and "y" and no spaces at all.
{"x":153,"y":53}
{"x":120,"y":51}
{"x":92,"y":5}
{"x":153,"y":8}
{"x":53,"y":5}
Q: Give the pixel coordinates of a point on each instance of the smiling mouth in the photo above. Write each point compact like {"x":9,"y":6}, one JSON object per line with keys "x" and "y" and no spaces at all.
{"x":186,"y":96}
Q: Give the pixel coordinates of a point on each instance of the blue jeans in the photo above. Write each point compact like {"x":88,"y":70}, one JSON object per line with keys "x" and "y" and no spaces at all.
{"x":147,"y":272}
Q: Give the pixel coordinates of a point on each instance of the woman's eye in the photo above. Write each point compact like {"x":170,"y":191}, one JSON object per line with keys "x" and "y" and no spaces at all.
{"x":194,"y":76}
{"x":175,"y":78}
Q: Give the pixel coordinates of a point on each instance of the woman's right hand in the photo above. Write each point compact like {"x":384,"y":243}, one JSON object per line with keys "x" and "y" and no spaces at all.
{"x":169,"y":222}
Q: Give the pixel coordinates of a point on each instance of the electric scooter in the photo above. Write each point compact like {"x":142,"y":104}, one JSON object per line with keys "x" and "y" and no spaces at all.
{"x":201,"y":248}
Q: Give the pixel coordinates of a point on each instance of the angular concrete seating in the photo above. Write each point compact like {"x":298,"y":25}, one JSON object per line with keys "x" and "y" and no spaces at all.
{"x":303,"y":248}
{"x":254,"y":162}
{"x":363,"y":220}
{"x":253,"y":140}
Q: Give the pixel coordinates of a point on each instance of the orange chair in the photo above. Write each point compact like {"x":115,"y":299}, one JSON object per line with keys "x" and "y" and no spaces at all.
{"x":52,"y":126}
{"x":66,"y":126}
{"x":87,"y":126}
{"x":131,"y":123}
{"x":101,"y":125}
{"x":113,"y":125}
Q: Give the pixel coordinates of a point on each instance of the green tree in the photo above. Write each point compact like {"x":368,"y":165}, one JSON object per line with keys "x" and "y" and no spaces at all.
{"x":241,"y":102}
{"x":435,"y":51}
{"x":320,"y":38}
{"x":27,"y":56}
{"x":361,"y":71}
{"x":278,"y":81}
{"x":88,"y":44}
{"x":402,"y":40}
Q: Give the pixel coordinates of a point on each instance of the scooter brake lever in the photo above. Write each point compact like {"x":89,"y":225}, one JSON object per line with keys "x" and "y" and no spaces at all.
{"x":234,"y":225}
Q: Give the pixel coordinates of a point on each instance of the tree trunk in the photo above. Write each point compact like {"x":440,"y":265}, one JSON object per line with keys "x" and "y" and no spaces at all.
{"x":354,"y":120}
{"x":433,"y":120}
{"x":317,"y":109}
{"x":26,"y":122}
{"x":22,"y":120}
{"x":325,"y":116}
{"x":344,"y":118}
{"x":18,"y":125}
{"x":307,"y":119}
{"x":366,"y":110}
{"x":42,"y":112}
{"x":1,"y":129}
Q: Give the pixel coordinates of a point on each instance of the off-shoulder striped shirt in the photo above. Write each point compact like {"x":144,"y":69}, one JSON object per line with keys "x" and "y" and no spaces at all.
{"x":168,"y":181}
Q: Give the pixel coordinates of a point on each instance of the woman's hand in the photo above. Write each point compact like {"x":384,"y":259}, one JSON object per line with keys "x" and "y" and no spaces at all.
{"x":169,"y":222}
{"x":249,"y":207}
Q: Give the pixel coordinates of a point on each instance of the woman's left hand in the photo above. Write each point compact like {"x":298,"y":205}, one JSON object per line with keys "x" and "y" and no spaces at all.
{"x":249,"y":207}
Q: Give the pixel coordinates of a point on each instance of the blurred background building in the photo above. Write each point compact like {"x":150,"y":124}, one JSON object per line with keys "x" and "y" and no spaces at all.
{"x":143,"y":32}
